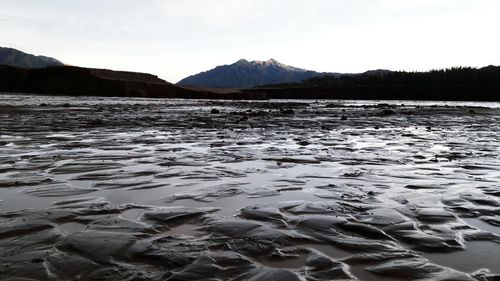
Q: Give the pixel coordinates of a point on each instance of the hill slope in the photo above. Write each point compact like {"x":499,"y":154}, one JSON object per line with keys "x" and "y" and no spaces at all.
{"x":248,"y":74}
{"x":77,"y":81}
{"x":13,"y":57}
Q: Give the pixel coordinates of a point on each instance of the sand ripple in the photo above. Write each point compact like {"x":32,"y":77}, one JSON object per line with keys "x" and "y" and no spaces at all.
{"x":266,"y":190}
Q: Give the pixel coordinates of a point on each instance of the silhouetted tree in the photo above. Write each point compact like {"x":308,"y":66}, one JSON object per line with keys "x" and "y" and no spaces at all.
{"x":456,"y":76}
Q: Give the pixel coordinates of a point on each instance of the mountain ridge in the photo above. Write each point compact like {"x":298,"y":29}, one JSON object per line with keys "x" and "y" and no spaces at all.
{"x":458,"y":83}
{"x":248,"y":74}
{"x":17,"y":58}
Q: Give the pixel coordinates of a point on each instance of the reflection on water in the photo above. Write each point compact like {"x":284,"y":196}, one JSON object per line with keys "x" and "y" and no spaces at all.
{"x":169,"y":190}
{"x":481,"y":251}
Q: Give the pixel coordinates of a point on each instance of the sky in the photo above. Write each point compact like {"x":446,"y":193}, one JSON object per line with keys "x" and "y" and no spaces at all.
{"x":177,"y":38}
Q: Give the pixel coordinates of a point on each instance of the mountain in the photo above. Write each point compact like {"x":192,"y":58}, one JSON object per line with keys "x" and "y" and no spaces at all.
{"x":464,"y":84}
{"x":248,"y":74}
{"x":13,"y":57}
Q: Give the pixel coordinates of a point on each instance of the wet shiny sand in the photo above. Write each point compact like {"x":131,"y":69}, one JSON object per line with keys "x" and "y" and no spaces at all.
{"x":145,"y":189}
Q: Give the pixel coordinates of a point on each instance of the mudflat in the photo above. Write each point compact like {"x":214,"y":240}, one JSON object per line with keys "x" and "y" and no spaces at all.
{"x":96,"y":188}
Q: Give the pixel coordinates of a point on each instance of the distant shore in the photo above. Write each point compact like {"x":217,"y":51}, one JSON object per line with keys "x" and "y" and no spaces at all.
{"x":77,"y":81}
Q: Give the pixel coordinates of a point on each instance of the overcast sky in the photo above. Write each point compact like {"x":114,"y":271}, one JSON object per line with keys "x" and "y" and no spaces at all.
{"x":177,"y":38}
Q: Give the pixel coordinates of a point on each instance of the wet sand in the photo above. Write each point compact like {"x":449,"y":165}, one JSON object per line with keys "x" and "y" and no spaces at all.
{"x":146,"y":189}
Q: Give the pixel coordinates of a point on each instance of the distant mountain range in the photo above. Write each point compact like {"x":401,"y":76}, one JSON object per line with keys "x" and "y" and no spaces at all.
{"x":13,"y":57}
{"x":248,"y":74}
{"x":25,"y":73}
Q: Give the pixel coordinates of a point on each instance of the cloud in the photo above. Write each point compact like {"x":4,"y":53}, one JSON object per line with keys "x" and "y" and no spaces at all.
{"x":174,"y":38}
{"x":412,"y":4}
{"x":212,"y":13}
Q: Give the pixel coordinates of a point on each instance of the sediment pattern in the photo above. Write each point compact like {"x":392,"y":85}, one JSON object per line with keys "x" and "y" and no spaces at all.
{"x":105,"y":189}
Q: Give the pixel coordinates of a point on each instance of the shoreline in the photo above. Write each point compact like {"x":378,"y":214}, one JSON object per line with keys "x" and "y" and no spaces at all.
{"x":77,"y":81}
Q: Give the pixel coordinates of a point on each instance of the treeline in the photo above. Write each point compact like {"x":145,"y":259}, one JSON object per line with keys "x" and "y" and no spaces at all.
{"x":454,"y":84}
{"x":457,"y":76}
